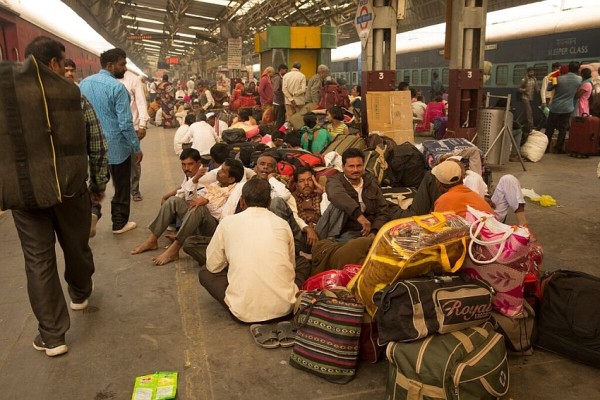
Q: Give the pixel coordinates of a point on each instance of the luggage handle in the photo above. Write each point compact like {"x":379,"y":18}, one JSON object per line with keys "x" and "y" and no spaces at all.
{"x":432,"y":228}
{"x":474,"y":240}
{"x":445,"y":260}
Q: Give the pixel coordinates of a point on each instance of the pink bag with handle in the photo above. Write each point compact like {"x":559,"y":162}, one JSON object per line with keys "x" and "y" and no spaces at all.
{"x":498,"y":254}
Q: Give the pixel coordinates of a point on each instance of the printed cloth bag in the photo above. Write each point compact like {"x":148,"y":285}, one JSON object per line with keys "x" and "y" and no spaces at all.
{"x":328,"y":331}
{"x":498,"y":254}
{"x":410,"y":247}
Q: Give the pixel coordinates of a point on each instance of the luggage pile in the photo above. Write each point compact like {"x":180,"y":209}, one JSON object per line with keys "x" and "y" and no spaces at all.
{"x":444,"y":295}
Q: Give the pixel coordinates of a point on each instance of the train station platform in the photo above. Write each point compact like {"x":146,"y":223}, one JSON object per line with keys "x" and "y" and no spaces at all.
{"x":143,"y":318}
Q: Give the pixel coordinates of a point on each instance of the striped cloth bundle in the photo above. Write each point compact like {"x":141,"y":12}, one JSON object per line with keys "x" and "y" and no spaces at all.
{"x":327,"y":340}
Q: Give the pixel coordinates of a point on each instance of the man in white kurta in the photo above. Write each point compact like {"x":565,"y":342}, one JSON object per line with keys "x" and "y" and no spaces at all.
{"x":250,"y":260}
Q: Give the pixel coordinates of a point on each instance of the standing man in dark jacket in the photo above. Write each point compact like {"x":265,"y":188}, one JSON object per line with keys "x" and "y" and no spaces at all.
{"x":278,"y":99}
{"x":358,"y":207}
{"x":68,"y":220}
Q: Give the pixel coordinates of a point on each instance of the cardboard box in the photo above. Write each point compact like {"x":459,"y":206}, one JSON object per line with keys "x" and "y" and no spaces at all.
{"x":390,"y":113}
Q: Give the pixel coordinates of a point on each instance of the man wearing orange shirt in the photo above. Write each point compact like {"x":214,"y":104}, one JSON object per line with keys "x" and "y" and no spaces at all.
{"x":455,"y":195}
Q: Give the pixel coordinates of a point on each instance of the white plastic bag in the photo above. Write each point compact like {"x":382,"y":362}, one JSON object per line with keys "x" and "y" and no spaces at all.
{"x":535,"y":146}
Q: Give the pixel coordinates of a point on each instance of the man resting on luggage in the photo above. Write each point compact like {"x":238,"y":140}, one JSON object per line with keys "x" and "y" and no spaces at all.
{"x":358,"y":207}
{"x":199,"y":208}
{"x":253,"y":279}
{"x":507,"y":195}
{"x":455,"y":195}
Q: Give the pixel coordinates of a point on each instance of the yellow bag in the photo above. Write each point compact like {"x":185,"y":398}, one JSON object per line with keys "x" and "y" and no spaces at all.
{"x":409,"y":247}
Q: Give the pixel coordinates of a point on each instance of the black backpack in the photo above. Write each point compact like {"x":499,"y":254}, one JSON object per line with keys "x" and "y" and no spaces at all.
{"x":406,"y":166}
{"x":233,"y":135}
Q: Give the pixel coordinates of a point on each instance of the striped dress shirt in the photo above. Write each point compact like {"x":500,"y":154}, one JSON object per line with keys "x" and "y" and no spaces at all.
{"x":110,"y":100}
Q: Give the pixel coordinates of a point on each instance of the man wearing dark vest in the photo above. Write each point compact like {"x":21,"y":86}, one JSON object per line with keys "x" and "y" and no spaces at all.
{"x":69,"y":221}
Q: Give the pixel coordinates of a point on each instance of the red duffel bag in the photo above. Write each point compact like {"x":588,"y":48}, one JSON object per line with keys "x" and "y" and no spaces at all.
{"x":332,"y":278}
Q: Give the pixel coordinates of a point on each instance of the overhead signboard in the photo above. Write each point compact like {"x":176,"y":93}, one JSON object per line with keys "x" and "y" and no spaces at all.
{"x":150,"y":36}
{"x":234,"y":53}
{"x":172,"y":60}
{"x":364,"y":20}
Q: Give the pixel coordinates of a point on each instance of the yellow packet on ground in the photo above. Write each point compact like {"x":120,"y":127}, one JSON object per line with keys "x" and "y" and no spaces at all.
{"x":159,"y":386}
{"x":166,"y":387}
{"x":145,"y":387}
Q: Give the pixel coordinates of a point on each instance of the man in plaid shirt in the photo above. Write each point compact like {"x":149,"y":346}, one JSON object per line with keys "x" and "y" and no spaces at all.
{"x":96,"y":149}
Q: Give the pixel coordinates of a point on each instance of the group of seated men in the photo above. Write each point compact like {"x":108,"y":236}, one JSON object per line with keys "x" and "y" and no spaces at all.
{"x":252,"y":237}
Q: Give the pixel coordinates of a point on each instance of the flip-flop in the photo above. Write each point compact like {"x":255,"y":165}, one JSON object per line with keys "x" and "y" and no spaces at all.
{"x":264,"y":336}
{"x":285,"y":334}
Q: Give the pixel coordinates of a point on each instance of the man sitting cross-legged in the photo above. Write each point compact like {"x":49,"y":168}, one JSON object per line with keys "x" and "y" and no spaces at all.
{"x":199,"y":208}
{"x":252,"y":278}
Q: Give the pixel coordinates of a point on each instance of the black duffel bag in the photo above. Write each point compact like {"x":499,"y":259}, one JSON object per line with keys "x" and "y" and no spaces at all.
{"x":234,"y":135}
{"x":43,"y":145}
{"x":416,"y":308}
{"x":568,"y":318}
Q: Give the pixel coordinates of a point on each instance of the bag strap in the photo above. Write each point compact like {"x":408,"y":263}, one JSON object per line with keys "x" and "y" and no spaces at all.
{"x":475,"y":240}
{"x":480,"y":225}
{"x":445,"y":260}
{"x":431,"y":228}
{"x":307,"y":308}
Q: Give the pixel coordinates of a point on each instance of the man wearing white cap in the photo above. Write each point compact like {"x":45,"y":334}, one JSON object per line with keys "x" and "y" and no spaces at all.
{"x":218,"y":125}
{"x":225,"y":114}
{"x":455,"y":195}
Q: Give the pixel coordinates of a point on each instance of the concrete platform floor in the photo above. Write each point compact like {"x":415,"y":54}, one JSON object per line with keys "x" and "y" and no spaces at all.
{"x":143,"y":318}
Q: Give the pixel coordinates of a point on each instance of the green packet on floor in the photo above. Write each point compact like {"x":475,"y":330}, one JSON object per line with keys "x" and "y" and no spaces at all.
{"x":159,"y":386}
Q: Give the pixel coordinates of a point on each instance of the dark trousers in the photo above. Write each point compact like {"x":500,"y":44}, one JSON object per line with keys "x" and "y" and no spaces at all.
{"x":37,"y":229}
{"x":120,"y":203}
{"x":558,"y":121}
{"x":279,"y":115}
{"x":424,"y":200}
{"x":136,"y":174}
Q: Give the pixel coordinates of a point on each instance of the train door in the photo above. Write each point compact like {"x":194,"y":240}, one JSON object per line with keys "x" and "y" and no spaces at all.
{"x":8,"y":37}
{"x":3,"y":46}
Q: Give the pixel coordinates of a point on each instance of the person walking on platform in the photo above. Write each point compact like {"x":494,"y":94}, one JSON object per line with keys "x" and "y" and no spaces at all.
{"x":294,"y":89}
{"x":110,"y":100}
{"x":68,"y":221}
{"x":97,"y":148}
{"x":529,"y":87}
{"x":139,"y":111}
{"x":278,"y":98}
{"x":562,"y":106}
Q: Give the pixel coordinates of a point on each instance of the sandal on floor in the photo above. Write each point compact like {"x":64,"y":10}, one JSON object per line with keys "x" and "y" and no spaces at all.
{"x":285,"y":334}
{"x":264,"y":336}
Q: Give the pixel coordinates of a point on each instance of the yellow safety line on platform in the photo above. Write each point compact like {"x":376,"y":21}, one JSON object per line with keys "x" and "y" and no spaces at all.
{"x":196,"y":359}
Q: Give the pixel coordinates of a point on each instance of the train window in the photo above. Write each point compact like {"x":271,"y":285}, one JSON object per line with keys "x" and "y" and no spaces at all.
{"x":415,"y":77}
{"x":424,"y":77}
{"x":355,"y":78}
{"x":541,"y":70}
{"x":445,"y":77}
{"x":406,"y":77}
{"x":519,"y":72}
{"x":398,"y":76}
{"x":502,"y":75}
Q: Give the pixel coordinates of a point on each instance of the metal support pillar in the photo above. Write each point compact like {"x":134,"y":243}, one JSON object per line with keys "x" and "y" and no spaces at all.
{"x":378,"y":40}
{"x":465,"y":45}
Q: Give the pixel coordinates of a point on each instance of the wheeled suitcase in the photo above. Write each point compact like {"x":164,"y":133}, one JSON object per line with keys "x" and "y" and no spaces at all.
{"x":568,"y":318}
{"x":469,"y":364}
{"x":584,"y":136}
